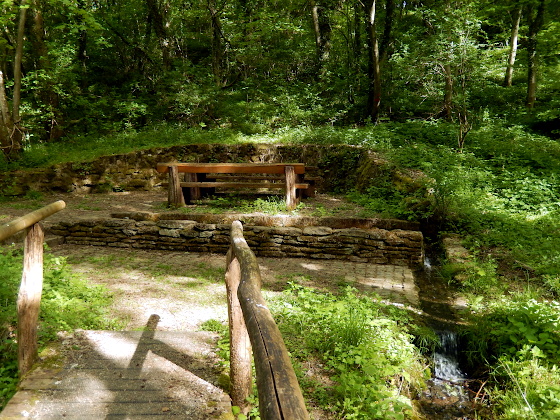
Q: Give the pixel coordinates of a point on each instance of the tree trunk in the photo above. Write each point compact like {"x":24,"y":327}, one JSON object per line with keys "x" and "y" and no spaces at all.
{"x":218,"y":47}
{"x":387,"y":30}
{"x":17,"y":63}
{"x":513,"y":47}
{"x":535,"y":24}
{"x":322,"y":29}
{"x":6,"y":122}
{"x":158,"y":16}
{"x":374,"y":70}
{"x":47,"y":94}
{"x":448,"y":92}
{"x":11,"y":130}
{"x":82,"y":47}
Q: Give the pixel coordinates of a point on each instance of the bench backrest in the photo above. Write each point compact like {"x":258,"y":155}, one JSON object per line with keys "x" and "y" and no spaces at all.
{"x":231,"y":168}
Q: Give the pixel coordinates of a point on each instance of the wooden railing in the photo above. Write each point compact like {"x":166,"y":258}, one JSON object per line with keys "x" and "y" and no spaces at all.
{"x":251,"y":324}
{"x":31,"y":288}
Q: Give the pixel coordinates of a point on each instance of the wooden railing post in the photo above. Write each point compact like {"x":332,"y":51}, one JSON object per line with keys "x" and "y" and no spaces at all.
{"x":280,"y":396}
{"x":240,"y":345}
{"x":29,"y":298}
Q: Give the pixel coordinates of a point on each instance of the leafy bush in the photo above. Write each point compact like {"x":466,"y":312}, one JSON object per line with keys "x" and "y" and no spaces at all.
{"x":514,"y":326}
{"x":364,"y":344}
{"x":531,"y":388}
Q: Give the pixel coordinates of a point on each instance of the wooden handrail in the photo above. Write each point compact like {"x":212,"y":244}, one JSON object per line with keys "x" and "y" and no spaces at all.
{"x":13,"y":227}
{"x":280,"y":396}
{"x":31,"y":287}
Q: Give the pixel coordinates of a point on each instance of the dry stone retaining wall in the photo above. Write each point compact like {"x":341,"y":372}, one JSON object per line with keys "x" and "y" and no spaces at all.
{"x":355,"y":167}
{"x":371,"y":245}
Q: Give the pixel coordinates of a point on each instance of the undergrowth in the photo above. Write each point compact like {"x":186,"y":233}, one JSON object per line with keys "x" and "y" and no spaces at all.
{"x":355,"y":356}
{"x":365,"y":346}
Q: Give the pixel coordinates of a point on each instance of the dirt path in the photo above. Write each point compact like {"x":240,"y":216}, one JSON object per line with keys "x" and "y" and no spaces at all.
{"x":186,"y":289}
{"x":93,"y":206}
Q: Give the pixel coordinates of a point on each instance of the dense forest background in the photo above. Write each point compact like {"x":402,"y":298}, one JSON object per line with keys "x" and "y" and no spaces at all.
{"x":74,"y":67}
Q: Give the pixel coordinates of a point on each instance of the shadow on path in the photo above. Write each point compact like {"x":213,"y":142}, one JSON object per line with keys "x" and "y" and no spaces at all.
{"x":126,"y":375}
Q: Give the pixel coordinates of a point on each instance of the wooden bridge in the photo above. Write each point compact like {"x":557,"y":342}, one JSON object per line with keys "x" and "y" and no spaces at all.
{"x":150,"y":374}
{"x":124,"y":375}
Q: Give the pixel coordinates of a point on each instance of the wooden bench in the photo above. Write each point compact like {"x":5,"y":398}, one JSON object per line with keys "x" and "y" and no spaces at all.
{"x":203,"y":178}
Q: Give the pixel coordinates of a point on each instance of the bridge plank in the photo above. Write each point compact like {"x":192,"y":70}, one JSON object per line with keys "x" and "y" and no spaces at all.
{"x":132,"y":374}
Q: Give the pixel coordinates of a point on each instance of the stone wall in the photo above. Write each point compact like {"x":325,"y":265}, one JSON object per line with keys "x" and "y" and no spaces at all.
{"x":372,"y":244}
{"x":355,"y":167}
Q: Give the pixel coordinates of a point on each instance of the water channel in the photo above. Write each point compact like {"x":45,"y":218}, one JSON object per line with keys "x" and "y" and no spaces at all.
{"x":448,"y":396}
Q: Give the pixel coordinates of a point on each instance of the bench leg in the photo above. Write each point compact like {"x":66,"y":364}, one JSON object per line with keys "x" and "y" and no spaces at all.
{"x":291,"y":198}
{"x":175,"y":194}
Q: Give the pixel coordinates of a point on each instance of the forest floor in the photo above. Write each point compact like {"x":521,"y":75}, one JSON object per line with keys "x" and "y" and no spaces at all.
{"x":92,"y":206}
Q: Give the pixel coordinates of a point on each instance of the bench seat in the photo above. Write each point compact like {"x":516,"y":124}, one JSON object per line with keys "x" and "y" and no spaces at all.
{"x":231,"y":168}
{"x":204,"y":184}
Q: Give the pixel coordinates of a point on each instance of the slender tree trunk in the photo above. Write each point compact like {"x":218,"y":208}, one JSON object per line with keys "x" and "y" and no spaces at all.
{"x":535,"y":24}
{"x":10,"y":129}
{"x":448,"y":92}
{"x":218,"y":47}
{"x":6,"y":122}
{"x":17,"y":63}
{"x":47,"y":94}
{"x":322,"y":29}
{"x":374,"y":69}
{"x":82,"y":48}
{"x":358,"y":45}
{"x":159,"y":18}
{"x":513,"y":47}
{"x":387,"y":30}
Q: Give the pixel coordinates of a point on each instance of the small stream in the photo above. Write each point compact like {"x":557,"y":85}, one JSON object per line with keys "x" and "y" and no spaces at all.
{"x":446,"y":359}
{"x":447,"y":396}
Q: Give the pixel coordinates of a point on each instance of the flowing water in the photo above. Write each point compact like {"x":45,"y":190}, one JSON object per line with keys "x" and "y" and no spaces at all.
{"x":447,"y":396}
{"x":446,"y":359}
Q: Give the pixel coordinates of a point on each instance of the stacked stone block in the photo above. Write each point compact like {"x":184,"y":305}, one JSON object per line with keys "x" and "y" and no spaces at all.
{"x":373,"y":245}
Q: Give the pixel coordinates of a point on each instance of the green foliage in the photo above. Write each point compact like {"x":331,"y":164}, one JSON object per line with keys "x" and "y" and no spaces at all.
{"x":531,"y":391}
{"x":214,"y":325}
{"x":67,"y":303}
{"x":515,"y":326}
{"x":271,"y":204}
{"x":365,"y":345}
{"x":475,"y":276}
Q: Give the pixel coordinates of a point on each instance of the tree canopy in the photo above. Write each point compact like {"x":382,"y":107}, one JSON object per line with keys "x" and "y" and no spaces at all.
{"x":84,"y":66}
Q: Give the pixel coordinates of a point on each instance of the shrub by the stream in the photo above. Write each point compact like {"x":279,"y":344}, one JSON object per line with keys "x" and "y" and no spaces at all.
{"x":519,"y":338}
{"x":67,"y":303}
{"x":364,"y":345}
{"x":531,"y":391}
